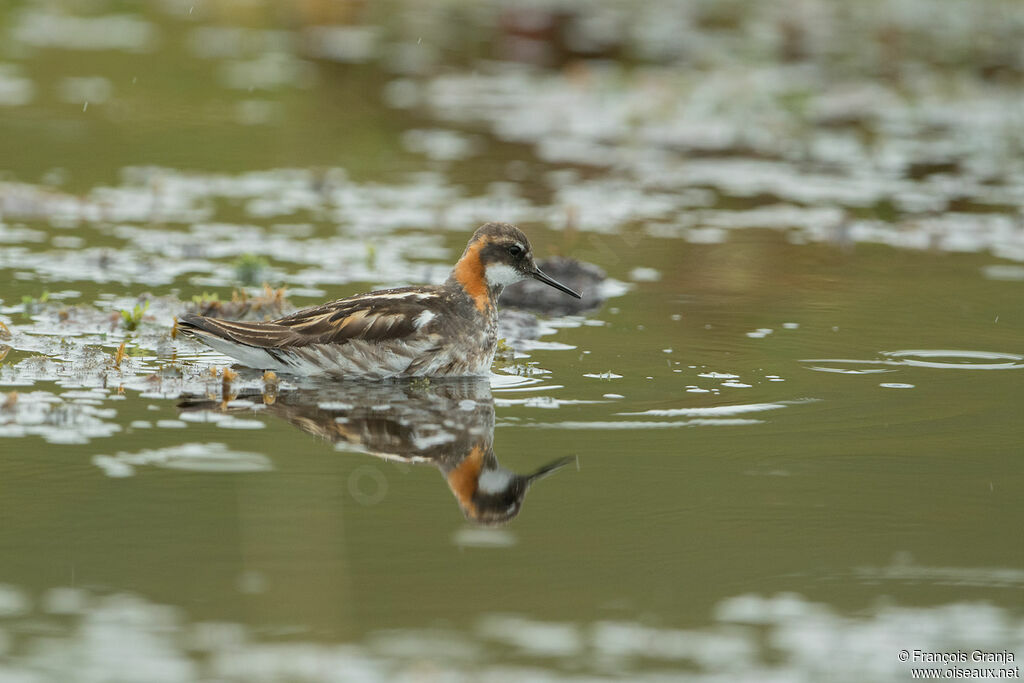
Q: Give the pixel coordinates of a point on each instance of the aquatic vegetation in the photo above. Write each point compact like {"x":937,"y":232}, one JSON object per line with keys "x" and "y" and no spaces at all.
{"x":271,"y":387}
{"x":31,"y":305}
{"x":132,"y":318}
{"x":250,"y":269}
{"x":205,"y":300}
{"x":119,"y":356}
{"x":268,"y":304}
{"x":420,"y":383}
{"x":504,"y":354}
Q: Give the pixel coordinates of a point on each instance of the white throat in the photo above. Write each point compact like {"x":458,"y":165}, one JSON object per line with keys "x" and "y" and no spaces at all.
{"x":494,"y":481}
{"x":502,"y":275}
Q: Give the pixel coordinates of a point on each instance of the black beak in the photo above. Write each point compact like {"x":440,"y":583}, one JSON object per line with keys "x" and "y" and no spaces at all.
{"x":539,"y":275}
{"x":550,"y":468}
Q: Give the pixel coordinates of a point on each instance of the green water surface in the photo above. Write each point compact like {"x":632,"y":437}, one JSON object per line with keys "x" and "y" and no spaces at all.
{"x":790,"y":458}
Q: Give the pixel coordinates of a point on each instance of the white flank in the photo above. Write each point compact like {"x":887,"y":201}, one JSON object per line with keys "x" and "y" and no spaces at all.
{"x":423,"y":318}
{"x":414,"y":357}
{"x":248,"y":355}
{"x":501,"y":274}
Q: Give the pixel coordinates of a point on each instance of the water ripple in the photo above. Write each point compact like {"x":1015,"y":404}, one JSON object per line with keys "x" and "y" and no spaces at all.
{"x":957,"y":360}
{"x":942,"y":359}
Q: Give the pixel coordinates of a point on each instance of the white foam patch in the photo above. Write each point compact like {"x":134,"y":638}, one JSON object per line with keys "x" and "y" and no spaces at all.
{"x":629,"y":424}
{"x":732,"y":646}
{"x":848,"y":371}
{"x":240,"y":423}
{"x":711,"y":411}
{"x":476,"y":537}
{"x":533,"y":637}
{"x":197,"y":457}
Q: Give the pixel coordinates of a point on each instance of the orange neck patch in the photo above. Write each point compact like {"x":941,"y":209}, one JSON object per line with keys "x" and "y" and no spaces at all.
{"x":463,"y":480}
{"x":469,"y":272}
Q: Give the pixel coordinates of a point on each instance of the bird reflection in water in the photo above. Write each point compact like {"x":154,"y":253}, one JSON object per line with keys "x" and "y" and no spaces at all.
{"x":447,"y":423}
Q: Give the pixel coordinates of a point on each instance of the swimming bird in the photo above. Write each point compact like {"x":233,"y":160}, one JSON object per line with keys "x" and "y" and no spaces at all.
{"x":446,"y":330}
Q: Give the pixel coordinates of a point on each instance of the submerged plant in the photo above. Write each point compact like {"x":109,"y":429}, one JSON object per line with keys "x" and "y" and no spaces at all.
{"x":30,"y":304}
{"x":420,"y":383}
{"x":131,"y":319}
{"x":206,"y":303}
{"x":270,"y":303}
{"x":250,"y":269}
{"x":504,"y":354}
{"x":205,"y":299}
{"x":119,"y":356}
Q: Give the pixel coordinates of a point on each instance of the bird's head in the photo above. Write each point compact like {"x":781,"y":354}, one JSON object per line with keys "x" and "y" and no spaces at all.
{"x":499,"y":493}
{"x":501,"y":254}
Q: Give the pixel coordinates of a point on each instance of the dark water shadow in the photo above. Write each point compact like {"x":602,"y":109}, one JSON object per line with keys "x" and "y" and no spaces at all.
{"x":448,"y":424}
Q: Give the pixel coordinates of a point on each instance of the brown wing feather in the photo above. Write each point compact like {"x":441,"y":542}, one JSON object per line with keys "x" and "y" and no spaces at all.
{"x":378,"y":316}
{"x":253,"y":334}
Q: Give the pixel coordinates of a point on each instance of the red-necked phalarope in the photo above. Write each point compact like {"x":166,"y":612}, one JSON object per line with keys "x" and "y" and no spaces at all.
{"x":431,"y":330}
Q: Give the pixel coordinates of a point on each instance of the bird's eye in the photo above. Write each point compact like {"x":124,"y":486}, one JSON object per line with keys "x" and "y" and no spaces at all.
{"x":515,"y":250}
